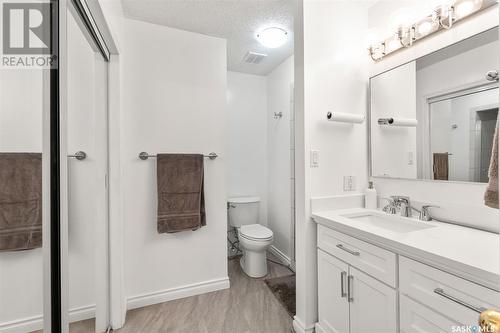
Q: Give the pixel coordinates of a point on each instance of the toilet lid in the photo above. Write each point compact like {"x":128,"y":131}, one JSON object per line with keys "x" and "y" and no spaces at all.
{"x":256,"y":231}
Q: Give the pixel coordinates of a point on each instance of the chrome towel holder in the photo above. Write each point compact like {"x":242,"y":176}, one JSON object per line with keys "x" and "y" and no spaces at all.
{"x":144,"y":156}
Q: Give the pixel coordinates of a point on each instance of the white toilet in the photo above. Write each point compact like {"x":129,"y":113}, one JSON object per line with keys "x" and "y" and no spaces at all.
{"x":254,"y":238}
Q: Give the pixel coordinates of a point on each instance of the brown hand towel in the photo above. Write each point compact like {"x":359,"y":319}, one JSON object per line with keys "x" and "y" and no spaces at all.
{"x":181,"y":201}
{"x":491,"y":195}
{"x":441,"y":168}
{"x":20,"y":201}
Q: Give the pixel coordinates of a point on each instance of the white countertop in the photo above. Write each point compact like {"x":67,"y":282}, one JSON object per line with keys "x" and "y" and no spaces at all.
{"x":469,"y":253}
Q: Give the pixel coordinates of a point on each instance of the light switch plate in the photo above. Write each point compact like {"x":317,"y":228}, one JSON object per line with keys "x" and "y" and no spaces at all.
{"x":349,"y":183}
{"x":314,"y":158}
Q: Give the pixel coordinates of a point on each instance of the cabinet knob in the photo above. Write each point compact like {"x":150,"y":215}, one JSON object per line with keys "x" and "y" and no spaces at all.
{"x":489,"y":320}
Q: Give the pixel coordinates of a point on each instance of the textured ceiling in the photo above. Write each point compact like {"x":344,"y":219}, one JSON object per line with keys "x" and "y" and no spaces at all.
{"x":235,"y":20}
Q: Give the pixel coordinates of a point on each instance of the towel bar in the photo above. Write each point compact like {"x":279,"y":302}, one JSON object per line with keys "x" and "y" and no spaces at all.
{"x":144,"y":156}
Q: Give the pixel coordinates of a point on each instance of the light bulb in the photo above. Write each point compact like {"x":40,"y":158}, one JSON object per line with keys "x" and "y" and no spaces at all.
{"x":272,"y":37}
{"x":393,"y":45}
{"x":401,"y":19}
{"x":424,"y":28}
{"x":465,"y":8}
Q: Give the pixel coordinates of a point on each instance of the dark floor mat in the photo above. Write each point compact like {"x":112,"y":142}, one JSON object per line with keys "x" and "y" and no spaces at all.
{"x":284,"y":290}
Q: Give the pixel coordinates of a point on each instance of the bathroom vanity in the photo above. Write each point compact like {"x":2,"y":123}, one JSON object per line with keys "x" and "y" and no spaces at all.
{"x":384,"y":273}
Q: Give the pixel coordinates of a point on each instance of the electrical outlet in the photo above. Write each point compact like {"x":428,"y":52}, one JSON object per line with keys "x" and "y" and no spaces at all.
{"x":349,"y":183}
{"x":314,"y":158}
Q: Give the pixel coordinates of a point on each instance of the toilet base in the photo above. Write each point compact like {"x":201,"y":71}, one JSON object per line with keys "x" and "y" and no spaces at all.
{"x":254,"y":264}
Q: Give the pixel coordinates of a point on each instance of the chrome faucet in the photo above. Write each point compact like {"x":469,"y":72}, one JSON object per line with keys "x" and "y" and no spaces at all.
{"x":425,"y":215}
{"x":404,"y":204}
{"x":391,"y":208}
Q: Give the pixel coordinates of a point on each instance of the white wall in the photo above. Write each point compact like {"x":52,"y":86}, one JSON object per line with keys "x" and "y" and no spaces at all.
{"x":247,"y":133}
{"x":174,"y":100}
{"x":459,"y":202}
{"x":281,"y":206}
{"x":335,"y":79}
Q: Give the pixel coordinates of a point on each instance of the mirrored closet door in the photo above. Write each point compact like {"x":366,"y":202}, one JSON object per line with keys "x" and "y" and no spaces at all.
{"x":87,"y":165}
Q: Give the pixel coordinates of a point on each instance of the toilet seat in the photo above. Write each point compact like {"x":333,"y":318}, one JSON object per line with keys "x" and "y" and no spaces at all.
{"x":256,"y":232}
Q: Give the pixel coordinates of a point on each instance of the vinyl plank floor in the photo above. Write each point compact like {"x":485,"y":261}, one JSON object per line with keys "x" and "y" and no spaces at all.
{"x":247,"y":307}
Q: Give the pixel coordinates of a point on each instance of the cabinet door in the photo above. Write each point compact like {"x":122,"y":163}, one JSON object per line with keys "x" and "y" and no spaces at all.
{"x":373,"y":305}
{"x":333,"y":307}
{"x":417,"y":318}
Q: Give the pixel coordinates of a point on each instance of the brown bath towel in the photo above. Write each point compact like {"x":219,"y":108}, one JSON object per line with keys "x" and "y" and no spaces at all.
{"x":20,"y":201}
{"x":441,"y":166}
{"x":491,"y":195}
{"x":181,"y":201}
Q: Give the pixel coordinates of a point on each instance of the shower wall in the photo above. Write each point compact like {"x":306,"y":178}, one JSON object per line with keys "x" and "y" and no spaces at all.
{"x":262,"y":149}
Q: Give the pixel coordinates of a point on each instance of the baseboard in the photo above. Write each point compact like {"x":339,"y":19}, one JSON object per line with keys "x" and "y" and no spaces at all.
{"x":299,"y":326}
{"x":35,"y":323}
{"x":162,"y":296}
{"x":319,"y":329}
{"x":283,"y":258}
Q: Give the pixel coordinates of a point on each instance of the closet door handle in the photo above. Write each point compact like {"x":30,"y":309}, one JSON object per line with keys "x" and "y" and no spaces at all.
{"x":343,"y":275}
{"x":442,"y":293}
{"x":79,"y":155}
{"x":342,"y":247}
{"x":350,"y":291}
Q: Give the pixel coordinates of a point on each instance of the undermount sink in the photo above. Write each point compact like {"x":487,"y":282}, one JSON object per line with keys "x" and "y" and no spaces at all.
{"x":389,"y":222}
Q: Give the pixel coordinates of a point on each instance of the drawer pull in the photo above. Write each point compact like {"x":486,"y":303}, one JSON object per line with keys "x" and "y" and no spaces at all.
{"x":350,"y":292}
{"x":343,"y":275}
{"x":342,"y":247}
{"x":441,"y":292}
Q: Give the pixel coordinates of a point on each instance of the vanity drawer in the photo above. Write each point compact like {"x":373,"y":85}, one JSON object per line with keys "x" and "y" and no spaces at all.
{"x":417,"y":318}
{"x":447,"y":294}
{"x":377,"y":262}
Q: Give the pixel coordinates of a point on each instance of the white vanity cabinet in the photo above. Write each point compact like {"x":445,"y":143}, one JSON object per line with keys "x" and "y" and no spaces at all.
{"x":363,"y":288}
{"x":350,"y":300}
{"x":449,"y":300}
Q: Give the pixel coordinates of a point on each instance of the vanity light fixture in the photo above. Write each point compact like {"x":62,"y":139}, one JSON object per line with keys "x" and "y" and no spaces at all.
{"x":442,"y":18}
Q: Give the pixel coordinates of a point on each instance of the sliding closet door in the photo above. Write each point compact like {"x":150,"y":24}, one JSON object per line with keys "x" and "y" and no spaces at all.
{"x":87,"y":190}
{"x":28,"y":105}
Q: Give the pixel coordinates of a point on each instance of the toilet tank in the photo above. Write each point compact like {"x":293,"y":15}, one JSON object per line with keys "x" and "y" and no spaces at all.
{"x":243,"y":211}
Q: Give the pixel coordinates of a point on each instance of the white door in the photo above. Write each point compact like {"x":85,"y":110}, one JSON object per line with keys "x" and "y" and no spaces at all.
{"x":417,"y":318}
{"x":332,"y":294}
{"x":87,"y":192}
{"x":373,"y":305}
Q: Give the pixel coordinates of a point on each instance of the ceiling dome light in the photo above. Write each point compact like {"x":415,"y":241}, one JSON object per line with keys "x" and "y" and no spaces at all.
{"x":272,"y":37}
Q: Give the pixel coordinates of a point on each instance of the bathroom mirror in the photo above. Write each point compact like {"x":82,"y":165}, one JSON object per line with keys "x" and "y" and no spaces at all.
{"x":434,"y":118}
